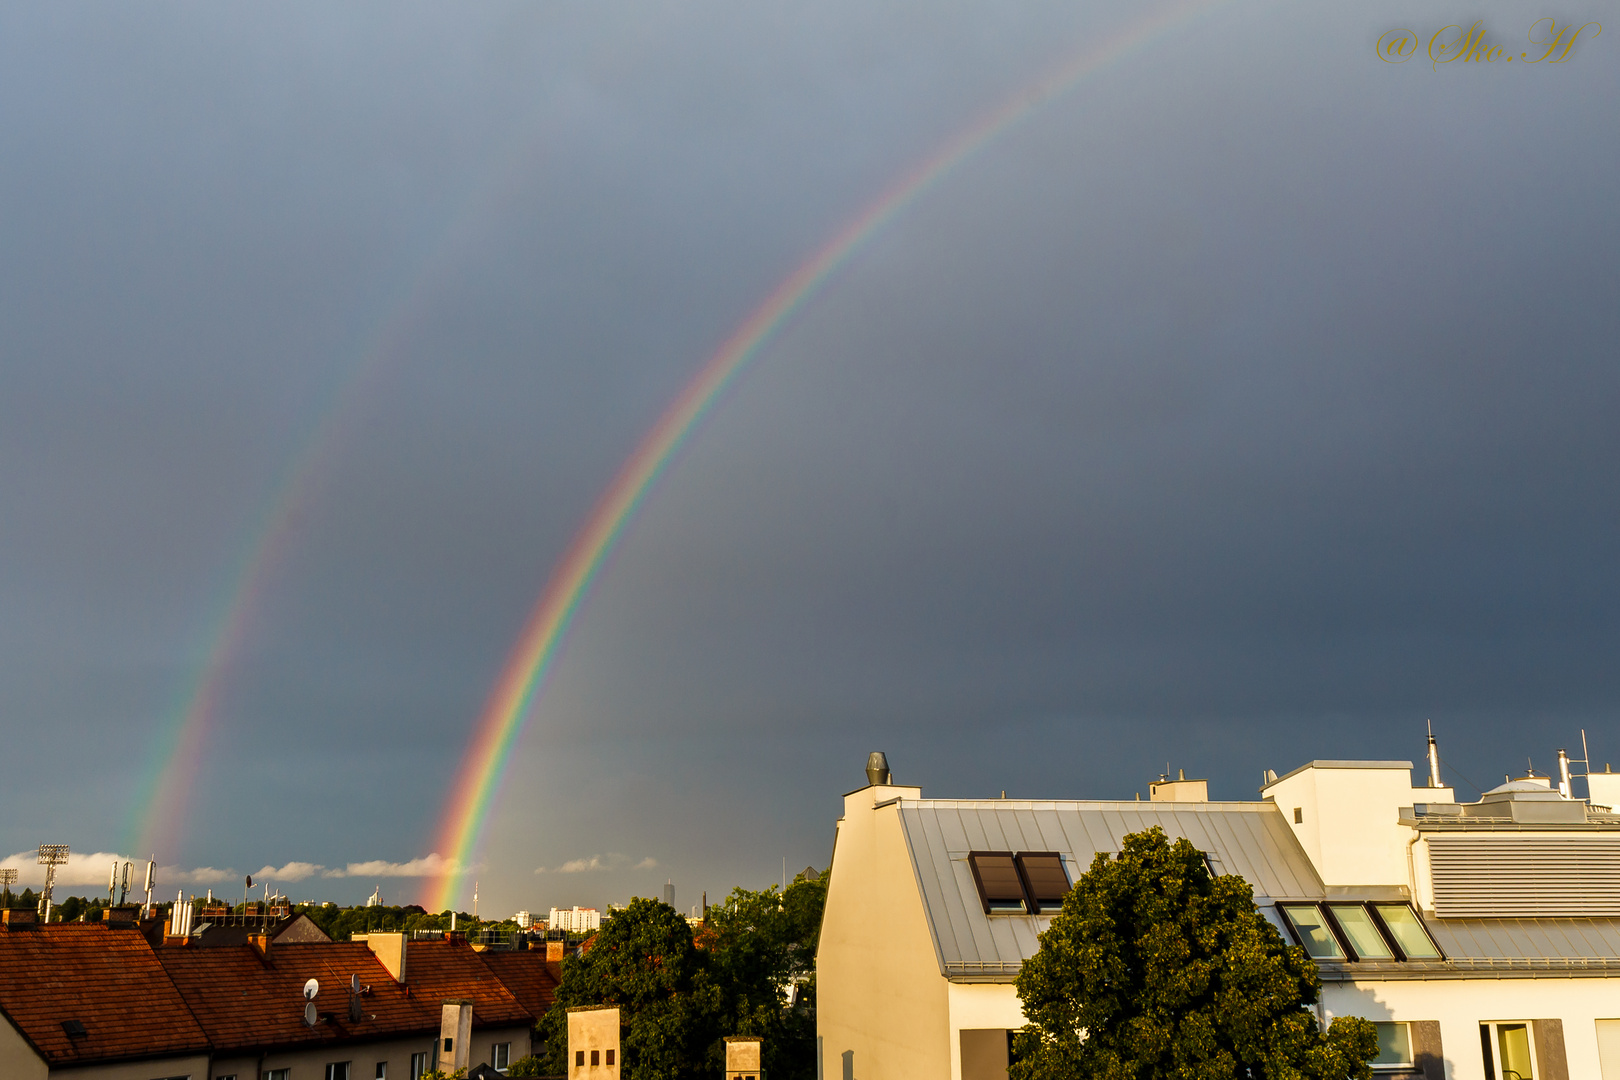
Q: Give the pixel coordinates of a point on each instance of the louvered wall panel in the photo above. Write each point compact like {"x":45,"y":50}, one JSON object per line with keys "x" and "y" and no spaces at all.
{"x":1525,"y":877}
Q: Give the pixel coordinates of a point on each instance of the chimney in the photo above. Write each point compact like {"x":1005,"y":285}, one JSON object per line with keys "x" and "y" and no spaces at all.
{"x":742,"y":1057}
{"x":260,"y":942}
{"x":390,"y":952}
{"x":18,"y":917}
{"x":593,"y":1042}
{"x":1180,"y":789}
{"x":554,"y":951}
{"x":455,"y":1034}
{"x":877,"y":768}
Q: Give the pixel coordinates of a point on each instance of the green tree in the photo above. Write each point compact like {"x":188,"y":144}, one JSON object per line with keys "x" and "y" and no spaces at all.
{"x":1155,"y":970}
{"x":762,"y":944}
{"x":644,"y":961}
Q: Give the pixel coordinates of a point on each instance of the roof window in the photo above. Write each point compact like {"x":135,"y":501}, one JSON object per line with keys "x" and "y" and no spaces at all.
{"x":1359,"y":931}
{"x":1045,"y":879}
{"x":1029,"y":882}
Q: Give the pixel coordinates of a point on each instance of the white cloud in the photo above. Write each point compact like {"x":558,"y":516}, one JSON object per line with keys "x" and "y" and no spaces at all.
{"x":293,"y":871}
{"x":610,"y":861}
{"x":580,"y":866}
{"x":80,"y":870}
{"x":432,"y":865}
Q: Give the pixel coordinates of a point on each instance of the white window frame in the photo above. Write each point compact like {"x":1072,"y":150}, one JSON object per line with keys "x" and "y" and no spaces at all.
{"x":1496,"y":1047}
{"x":333,"y":1074}
{"x":500,"y":1057}
{"x":419,"y":1065}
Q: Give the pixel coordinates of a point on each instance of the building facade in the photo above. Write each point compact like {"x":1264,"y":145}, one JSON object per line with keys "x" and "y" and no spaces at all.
{"x":1483,"y":938}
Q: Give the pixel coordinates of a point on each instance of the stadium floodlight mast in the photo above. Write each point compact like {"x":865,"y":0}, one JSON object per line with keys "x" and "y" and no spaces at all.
{"x":50,"y":857}
{"x":8,"y":878}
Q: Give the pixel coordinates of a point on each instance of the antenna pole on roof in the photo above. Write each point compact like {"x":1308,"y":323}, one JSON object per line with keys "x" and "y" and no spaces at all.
{"x":8,"y":875}
{"x":1434,"y":759}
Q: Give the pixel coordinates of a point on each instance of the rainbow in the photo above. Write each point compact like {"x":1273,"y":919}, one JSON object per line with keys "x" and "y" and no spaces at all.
{"x":163,"y":795}
{"x":478,"y":779}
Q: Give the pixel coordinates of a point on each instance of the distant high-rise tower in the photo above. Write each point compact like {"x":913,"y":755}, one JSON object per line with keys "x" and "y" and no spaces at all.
{"x":669,"y":893}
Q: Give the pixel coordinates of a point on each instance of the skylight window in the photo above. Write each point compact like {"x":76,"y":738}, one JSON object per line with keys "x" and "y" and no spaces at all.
{"x":1360,"y":932}
{"x":1000,"y":887}
{"x":1357,"y":924}
{"x":1311,"y":928}
{"x":1047,"y":879}
{"x":1408,"y":931}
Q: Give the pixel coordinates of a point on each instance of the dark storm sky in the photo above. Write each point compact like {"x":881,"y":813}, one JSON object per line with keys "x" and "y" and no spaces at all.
{"x":1250,"y":403}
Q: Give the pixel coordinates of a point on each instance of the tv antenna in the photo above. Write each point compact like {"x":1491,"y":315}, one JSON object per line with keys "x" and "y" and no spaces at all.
{"x":123,"y":889}
{"x":50,"y":857}
{"x":8,"y":878}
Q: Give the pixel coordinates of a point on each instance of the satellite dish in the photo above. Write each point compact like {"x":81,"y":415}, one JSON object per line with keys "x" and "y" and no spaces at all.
{"x":354,"y":984}
{"x":250,"y":881}
{"x":309,"y":1012}
{"x":311,"y":988}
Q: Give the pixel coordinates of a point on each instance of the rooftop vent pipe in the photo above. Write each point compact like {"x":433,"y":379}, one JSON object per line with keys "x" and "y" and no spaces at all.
{"x":1434,"y":760}
{"x":877,"y":768}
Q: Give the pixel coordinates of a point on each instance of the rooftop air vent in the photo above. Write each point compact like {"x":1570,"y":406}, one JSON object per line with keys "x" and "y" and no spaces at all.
{"x":74,"y":1029}
{"x":877,"y":768}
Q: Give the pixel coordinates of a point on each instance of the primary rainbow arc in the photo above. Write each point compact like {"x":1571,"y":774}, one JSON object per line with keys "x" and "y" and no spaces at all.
{"x":479,"y":777}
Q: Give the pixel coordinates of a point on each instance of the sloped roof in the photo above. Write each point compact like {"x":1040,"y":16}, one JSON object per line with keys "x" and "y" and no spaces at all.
{"x":244,"y":1000}
{"x":1248,"y":839}
{"x":528,"y":974}
{"x":106,"y":978}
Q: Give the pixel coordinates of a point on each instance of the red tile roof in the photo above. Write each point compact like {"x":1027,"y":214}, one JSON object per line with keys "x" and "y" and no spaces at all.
{"x":135,"y":1001}
{"x":245,"y":1000}
{"x":529,"y":975}
{"x":107,"y":979}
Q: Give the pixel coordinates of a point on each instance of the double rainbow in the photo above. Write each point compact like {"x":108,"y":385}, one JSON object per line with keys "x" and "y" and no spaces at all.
{"x":479,"y":778}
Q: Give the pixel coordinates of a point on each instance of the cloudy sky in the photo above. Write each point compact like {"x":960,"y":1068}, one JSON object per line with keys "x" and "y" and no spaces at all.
{"x":1251,"y":401}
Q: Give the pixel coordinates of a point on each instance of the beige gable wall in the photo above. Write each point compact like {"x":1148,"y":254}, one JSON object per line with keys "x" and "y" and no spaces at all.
{"x":882,"y":1011}
{"x":17,"y":1058}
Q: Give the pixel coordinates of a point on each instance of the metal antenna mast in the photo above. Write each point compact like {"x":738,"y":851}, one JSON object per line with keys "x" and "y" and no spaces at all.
{"x":50,"y":857}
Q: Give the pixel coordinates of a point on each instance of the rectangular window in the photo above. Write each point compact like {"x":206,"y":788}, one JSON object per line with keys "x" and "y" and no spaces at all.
{"x":1394,"y":1046}
{"x":382,"y":1070}
{"x":1408,"y":931}
{"x":277,"y":1074}
{"x":596,"y":1057}
{"x":1047,"y":879}
{"x":1508,"y":1051}
{"x":1000,"y":887}
{"x":1312,"y":931}
{"x":418,"y":1066}
{"x":610,"y":1057}
{"x":1358,"y":926}
{"x":337,"y":1070}
{"x":500,"y":1056}
{"x":579,"y":1058}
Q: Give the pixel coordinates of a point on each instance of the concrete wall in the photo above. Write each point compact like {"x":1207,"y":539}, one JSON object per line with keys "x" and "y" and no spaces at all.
{"x":1461,"y":1005}
{"x":1350,"y":817}
{"x":363,"y":1057}
{"x":985,"y":1011}
{"x":17,"y":1058}
{"x":882,"y":1011}
{"x":195,"y":1067}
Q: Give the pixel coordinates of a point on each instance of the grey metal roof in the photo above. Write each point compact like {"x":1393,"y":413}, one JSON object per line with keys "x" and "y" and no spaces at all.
{"x":1249,"y":839}
{"x":1522,"y":948}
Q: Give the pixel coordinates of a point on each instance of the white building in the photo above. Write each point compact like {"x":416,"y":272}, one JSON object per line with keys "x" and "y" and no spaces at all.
{"x":577,"y":920}
{"x":523,"y":919}
{"x":1483,"y":938}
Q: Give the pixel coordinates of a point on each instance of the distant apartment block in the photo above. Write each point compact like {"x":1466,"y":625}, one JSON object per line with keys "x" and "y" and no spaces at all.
{"x":576,"y":920}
